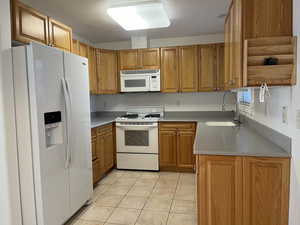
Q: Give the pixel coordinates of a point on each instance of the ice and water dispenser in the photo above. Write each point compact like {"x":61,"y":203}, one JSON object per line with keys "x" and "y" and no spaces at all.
{"x":53,"y":128}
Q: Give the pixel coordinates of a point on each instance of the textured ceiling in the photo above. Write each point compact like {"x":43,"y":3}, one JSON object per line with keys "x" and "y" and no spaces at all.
{"x":88,"y":18}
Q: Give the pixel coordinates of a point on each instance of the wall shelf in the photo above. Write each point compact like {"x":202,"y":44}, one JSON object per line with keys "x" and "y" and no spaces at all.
{"x":255,"y":53}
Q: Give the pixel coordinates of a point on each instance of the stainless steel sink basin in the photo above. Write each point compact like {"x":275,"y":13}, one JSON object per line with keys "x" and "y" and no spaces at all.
{"x":220,"y":124}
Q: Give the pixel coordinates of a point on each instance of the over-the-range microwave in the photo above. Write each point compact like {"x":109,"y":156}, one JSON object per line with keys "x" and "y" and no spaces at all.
{"x":140,"y":80}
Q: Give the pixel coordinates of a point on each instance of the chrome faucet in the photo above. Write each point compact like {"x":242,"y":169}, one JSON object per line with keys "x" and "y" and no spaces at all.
{"x":237,"y":111}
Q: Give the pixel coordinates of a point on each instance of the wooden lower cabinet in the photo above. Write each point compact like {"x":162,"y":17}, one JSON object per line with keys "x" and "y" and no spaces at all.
{"x":103,"y":151}
{"x":234,"y":190}
{"x":176,"y":142}
{"x":219,"y":194}
{"x":266,"y":191}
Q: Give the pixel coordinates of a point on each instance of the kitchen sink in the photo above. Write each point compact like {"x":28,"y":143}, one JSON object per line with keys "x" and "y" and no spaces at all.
{"x":220,"y":124}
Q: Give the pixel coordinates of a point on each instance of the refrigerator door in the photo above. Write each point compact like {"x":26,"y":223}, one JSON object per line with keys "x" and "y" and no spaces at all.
{"x":48,"y":133}
{"x":79,"y":132}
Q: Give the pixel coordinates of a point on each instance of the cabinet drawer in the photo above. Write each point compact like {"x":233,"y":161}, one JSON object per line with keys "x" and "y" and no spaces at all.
{"x":177,"y":126}
{"x":96,"y":171}
{"x":105,"y":129}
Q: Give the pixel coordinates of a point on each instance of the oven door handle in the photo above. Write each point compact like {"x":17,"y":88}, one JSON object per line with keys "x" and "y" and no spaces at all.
{"x":134,"y":127}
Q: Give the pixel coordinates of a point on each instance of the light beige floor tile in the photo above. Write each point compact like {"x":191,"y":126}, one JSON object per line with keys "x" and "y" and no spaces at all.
{"x":183,"y":206}
{"x":133,"y":174}
{"x":158,"y":204}
{"x":150,"y":175}
{"x":99,"y":190}
{"x":148,"y":217}
{"x":187,"y":179}
{"x":146,"y":182}
{"x":140,"y":191}
{"x":163,"y":192}
{"x":125,"y":181}
{"x":108,"y":200}
{"x":180,"y":219}
{"x":108,"y":180}
{"x":89,"y":222}
{"x":133,"y":202}
{"x":166,"y":183}
{"x":118,"y":190}
{"x":185,"y":193}
{"x":97,"y":213}
{"x":124,"y":216}
{"x":169,"y":175}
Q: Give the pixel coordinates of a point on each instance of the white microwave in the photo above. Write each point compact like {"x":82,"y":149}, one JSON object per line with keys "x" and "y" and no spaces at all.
{"x":140,"y":80}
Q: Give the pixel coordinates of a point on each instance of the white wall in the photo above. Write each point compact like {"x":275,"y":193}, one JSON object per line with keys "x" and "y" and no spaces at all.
{"x":164,"y":42}
{"x":269,"y":114}
{"x":9,"y":185}
{"x":171,"y":102}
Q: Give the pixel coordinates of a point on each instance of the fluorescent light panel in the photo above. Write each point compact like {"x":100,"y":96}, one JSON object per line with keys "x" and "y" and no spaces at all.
{"x":140,"y":17}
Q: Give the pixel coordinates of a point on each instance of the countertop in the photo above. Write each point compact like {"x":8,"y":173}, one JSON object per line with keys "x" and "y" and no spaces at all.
{"x":231,"y":141}
{"x":234,"y":141}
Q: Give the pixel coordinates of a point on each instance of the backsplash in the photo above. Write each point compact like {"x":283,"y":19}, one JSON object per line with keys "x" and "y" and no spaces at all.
{"x":170,"y":102}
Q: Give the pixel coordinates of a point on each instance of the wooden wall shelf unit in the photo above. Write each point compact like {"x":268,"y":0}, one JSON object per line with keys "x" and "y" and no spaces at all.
{"x":257,"y":50}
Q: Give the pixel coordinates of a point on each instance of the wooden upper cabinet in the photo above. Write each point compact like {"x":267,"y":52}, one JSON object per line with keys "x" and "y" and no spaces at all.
{"x":188,"y":68}
{"x":185,"y":147}
{"x":92,"y":70}
{"x":28,"y":24}
{"x":207,"y":68}
{"x":220,"y":51}
{"x":265,"y":18}
{"x":60,"y":35}
{"x":83,"y":50}
{"x":129,"y":59}
{"x":75,"y":46}
{"x":219,"y":187}
{"x":266,"y":190}
{"x":169,"y":70}
{"x":107,"y":71}
{"x":150,"y":58}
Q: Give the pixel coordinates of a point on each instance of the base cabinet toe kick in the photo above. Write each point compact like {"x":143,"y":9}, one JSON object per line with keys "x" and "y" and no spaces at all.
{"x":235,"y":190}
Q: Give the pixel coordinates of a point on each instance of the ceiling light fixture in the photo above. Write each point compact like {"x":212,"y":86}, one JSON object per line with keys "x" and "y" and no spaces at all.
{"x":140,"y":16}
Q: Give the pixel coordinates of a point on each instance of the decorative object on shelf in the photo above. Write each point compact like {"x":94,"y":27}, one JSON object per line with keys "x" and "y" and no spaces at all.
{"x":271,"y":61}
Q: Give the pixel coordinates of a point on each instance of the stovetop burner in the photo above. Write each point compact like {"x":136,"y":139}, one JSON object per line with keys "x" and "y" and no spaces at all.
{"x":153,"y":115}
{"x":130,"y":116}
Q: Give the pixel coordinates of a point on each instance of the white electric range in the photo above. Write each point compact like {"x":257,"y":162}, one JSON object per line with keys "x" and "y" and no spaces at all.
{"x":137,"y":140}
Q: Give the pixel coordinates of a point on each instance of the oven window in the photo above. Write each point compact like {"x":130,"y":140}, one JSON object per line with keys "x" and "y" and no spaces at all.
{"x":135,"y":83}
{"x":136,"y":138}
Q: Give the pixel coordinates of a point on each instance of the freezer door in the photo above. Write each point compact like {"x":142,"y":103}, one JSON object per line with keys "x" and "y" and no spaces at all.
{"x":79,"y":132}
{"x":48,"y":131}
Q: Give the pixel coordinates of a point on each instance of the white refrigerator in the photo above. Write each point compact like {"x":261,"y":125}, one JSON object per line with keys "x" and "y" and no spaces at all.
{"x":53,"y":130}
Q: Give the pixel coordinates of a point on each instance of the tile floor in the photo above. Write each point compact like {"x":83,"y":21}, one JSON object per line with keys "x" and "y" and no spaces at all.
{"x":141,"y":198}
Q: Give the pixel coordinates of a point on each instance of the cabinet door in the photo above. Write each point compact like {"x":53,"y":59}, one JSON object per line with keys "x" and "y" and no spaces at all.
{"x":28,"y":24}
{"x":207,"y":68}
{"x":107,"y":71}
{"x":60,"y":35}
{"x":169,"y":70}
{"x":83,"y":50}
{"x":227,"y":49}
{"x":220,"y":67}
{"x":185,"y":156}
{"x":101,"y":153}
{"x":92,"y":70}
{"x":94,"y":148}
{"x":150,"y":58}
{"x":188,"y":68}
{"x":75,"y":47}
{"x":219,"y":187}
{"x":266,"y":191}
{"x":167,"y":150}
{"x":109,"y":151}
{"x":96,"y":171}
{"x":129,"y":59}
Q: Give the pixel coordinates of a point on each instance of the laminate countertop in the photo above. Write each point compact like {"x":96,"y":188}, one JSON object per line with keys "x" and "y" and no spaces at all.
{"x":234,"y":141}
{"x":216,"y":140}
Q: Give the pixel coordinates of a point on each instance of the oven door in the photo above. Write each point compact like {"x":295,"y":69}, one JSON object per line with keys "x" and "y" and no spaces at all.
{"x":135,"y":83}
{"x":137,"y":138}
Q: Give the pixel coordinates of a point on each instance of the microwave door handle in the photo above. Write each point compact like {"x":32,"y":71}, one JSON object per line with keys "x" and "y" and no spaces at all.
{"x":146,"y":127}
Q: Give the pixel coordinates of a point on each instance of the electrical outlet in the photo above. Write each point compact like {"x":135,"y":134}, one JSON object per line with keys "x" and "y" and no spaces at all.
{"x":285,"y":114}
{"x":104,"y":104}
{"x":178,"y":102}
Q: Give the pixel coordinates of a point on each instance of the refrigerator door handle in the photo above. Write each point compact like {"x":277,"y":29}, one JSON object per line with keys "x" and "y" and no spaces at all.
{"x":68,"y":88}
{"x":66,"y":97}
